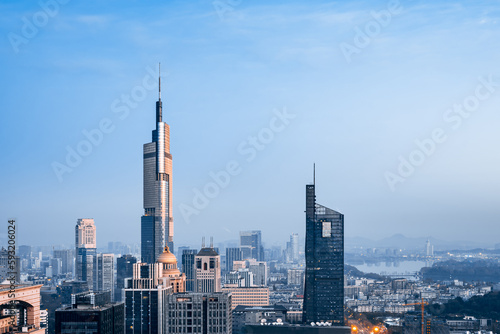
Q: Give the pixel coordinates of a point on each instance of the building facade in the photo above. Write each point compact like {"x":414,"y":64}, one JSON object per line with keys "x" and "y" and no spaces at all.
{"x":146,"y":293}
{"x":157,"y":224}
{"x":207,"y":271}
{"x":250,"y":296}
{"x":201,"y":313}
{"x":251,"y":245}
{"x":232,"y":254}
{"x":124,"y":269}
{"x":85,"y":250}
{"x":188,"y":261}
{"x":104,"y":273}
{"x":324,"y":275}
{"x":90,"y":313}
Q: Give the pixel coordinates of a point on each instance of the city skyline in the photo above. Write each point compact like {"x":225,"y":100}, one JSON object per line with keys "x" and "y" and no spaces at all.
{"x":54,"y":91}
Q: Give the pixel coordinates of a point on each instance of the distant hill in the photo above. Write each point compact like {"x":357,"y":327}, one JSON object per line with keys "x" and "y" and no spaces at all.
{"x":400,"y":241}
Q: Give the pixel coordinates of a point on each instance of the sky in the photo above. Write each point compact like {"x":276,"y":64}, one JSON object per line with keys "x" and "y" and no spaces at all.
{"x":396,"y":102}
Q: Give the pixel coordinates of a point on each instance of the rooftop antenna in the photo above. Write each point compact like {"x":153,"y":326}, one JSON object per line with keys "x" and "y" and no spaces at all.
{"x":314,"y":173}
{"x":203,"y":242}
{"x":159,"y":81}
{"x":211,"y":242}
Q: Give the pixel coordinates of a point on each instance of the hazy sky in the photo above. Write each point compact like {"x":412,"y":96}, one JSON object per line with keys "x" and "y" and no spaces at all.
{"x":264,"y":89}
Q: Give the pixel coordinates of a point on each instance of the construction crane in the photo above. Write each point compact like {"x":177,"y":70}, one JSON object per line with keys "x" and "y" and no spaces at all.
{"x":422,"y":303}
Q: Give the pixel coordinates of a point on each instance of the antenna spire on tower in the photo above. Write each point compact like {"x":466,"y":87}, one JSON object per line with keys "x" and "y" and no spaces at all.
{"x":159,"y":81}
{"x":314,"y":173}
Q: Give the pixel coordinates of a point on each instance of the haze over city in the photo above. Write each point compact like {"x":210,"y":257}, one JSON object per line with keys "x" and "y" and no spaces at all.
{"x":260,"y":91}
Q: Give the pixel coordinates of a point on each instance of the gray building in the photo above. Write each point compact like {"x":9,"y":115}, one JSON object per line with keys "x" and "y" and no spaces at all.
{"x":104,"y":273}
{"x":232,"y":254}
{"x":199,"y":313}
{"x":67,"y":256}
{"x":251,"y":245}
{"x":157,"y":224}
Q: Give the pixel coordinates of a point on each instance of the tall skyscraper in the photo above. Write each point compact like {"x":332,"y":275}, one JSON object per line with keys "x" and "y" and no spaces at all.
{"x":124,"y":269}
{"x":104,"y":273}
{"x":429,"y":249}
{"x":324,"y":281}
{"x":232,"y":254}
{"x":85,"y":250}
{"x":188,"y":260}
{"x":207,"y":270}
{"x":294,"y":243}
{"x":157,"y":224}
{"x":251,"y":245}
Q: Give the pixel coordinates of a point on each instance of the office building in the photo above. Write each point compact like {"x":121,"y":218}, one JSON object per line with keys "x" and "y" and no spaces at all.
{"x":232,"y":254}
{"x":202,"y":313}
{"x":240,"y":278}
{"x":249,"y":296}
{"x":90,"y":312}
{"x":207,"y":270}
{"x":157,"y":224}
{"x":104,"y":273}
{"x":188,"y":260}
{"x":429,"y":249}
{"x":251,"y":245}
{"x":292,"y":248}
{"x":324,"y":276}
{"x":124,"y":269}
{"x":295,"y":277}
{"x":259,"y":270}
{"x":85,"y":250}
{"x":66,"y":256}
{"x":146,"y":293}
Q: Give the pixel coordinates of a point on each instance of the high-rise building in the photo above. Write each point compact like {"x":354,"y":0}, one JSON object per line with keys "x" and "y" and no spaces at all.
{"x":232,"y":254}
{"x":294,"y":245}
{"x":146,"y":293}
{"x":324,"y":277}
{"x":124,"y":269}
{"x":251,"y":245}
{"x":188,"y":260}
{"x":104,"y":273}
{"x":207,"y":270}
{"x":90,"y":313}
{"x":66,"y":256}
{"x":202,"y":313}
{"x":157,"y":224}
{"x":85,"y":250}
{"x":429,"y":249}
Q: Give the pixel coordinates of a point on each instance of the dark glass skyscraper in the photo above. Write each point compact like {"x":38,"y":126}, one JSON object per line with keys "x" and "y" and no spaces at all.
{"x":324,"y":283}
{"x":157,"y":224}
{"x":188,"y":256}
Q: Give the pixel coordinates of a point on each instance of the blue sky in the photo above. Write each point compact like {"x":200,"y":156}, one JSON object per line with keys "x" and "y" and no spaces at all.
{"x":227,"y":68}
